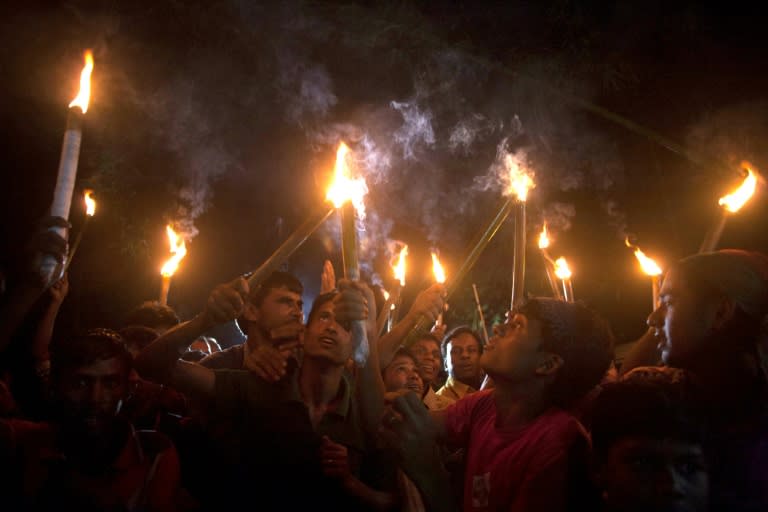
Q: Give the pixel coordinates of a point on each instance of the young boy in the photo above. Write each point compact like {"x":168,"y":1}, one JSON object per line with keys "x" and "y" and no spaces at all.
{"x":523,"y":450}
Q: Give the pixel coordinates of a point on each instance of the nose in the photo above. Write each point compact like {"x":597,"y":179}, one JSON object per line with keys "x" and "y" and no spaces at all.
{"x":96,"y":393}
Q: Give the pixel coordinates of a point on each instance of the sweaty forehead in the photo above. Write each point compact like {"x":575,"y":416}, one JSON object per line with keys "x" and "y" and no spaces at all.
{"x":101,"y":368}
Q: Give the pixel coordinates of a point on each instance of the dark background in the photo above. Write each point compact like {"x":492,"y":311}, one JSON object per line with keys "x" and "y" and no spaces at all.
{"x":223,"y":118}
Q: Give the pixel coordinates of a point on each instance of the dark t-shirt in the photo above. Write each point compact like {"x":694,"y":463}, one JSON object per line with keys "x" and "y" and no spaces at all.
{"x":228,"y":359}
{"x":267,"y":449}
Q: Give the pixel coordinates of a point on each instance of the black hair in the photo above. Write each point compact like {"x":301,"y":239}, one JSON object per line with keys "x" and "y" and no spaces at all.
{"x":458,"y":331}
{"x":581,"y":337}
{"x":88,"y":348}
{"x":152,"y":314}
{"x":275,"y":281}
{"x":318,"y":302}
{"x":138,"y":336}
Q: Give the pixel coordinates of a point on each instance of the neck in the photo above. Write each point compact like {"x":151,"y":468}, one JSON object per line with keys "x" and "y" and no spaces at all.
{"x":517,"y":404}
{"x":474,"y":382}
{"x":255,"y":336}
{"x":319,"y":381}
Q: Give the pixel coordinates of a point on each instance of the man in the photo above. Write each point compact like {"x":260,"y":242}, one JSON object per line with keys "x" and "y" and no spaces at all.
{"x":296,"y":442}
{"x":273,"y":315}
{"x":461,"y":350}
{"x":426,"y":350}
{"x":152,"y":314}
{"x":524,"y":451}
{"x":402,"y":373}
{"x":710,"y":324}
{"x":88,"y":457}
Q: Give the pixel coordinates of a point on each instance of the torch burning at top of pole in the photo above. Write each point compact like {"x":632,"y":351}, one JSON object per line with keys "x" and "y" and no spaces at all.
{"x":544,"y":238}
{"x":648,"y":265}
{"x":398,"y":269}
{"x":437,"y":269}
{"x":90,"y":204}
{"x":563,"y":272}
{"x":178,"y":250}
{"x":347,"y":195}
{"x":738,"y":198}
{"x":84,"y":95}
{"x":519,"y":184}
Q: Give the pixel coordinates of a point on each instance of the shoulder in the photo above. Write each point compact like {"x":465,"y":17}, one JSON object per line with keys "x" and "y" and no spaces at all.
{"x":231,"y":357}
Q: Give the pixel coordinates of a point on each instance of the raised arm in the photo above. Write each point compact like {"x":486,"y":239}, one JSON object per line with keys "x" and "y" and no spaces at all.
{"x":428,"y":304}
{"x":160,"y":361}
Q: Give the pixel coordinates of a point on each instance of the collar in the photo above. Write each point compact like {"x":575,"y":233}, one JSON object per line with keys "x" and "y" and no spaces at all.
{"x":460,"y":387}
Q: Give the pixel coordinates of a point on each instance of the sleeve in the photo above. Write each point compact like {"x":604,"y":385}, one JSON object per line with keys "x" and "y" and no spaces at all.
{"x":458,"y":418}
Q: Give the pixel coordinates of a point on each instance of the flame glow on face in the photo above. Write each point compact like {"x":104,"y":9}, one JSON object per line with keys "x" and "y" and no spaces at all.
{"x":520,"y":180}
{"x":437,"y":269}
{"x":399,"y":268}
{"x":84,"y":95}
{"x":543,"y":238}
{"x":90,"y":204}
{"x":178,"y":250}
{"x":649,"y":266}
{"x":562,"y":271}
{"x":344,"y":188}
{"x":735,"y":200}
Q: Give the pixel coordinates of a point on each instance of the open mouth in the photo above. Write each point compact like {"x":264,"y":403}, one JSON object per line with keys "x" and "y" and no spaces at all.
{"x":327,"y":341}
{"x":427,"y":368}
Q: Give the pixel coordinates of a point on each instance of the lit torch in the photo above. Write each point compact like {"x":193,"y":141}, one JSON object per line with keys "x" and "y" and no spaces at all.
{"x":520,"y":182}
{"x":549,"y":264}
{"x":563,"y":272}
{"x":651,"y":268}
{"x":90,"y":211}
{"x":439,"y":273}
{"x":178,"y":250}
{"x":70,"y":155}
{"x":731,"y":204}
{"x":398,"y":270}
{"x":347,"y":195}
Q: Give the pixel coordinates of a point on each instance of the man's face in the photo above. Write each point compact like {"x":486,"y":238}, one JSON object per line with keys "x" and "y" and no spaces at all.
{"x":683,"y":321}
{"x":325,"y":338}
{"x":513,"y":353}
{"x":428,"y":358}
{"x":403,"y":374}
{"x":280,"y":307}
{"x":642,"y":474}
{"x":463,"y":362}
{"x":91,"y":393}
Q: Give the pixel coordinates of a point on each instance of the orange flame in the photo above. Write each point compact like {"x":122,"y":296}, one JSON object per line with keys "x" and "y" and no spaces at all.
{"x":562,"y":271}
{"x":735,"y":200}
{"x":544,"y":238}
{"x":178,"y":249}
{"x":648,"y":265}
{"x":520,"y":180}
{"x":437,"y":269}
{"x":90,"y":204}
{"x":344,"y":188}
{"x":399,"y":267}
{"x":84,"y":95}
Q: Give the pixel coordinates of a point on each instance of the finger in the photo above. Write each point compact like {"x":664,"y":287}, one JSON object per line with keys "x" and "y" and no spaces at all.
{"x":408,"y":404}
{"x":240,"y":285}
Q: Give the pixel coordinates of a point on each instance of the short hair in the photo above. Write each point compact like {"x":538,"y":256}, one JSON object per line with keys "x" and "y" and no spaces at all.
{"x":456,"y":332}
{"x":319,"y":301}
{"x":581,"y":337}
{"x":402,"y":352}
{"x":138,"y":336}
{"x":88,"y":348}
{"x":152,"y":314}
{"x":274,"y":281}
{"x":425,"y":336}
{"x":656,"y":406}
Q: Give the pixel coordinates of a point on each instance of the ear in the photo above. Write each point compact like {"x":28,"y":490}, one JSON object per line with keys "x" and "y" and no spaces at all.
{"x":726,"y":309}
{"x":251,"y":312}
{"x":549,"y":364}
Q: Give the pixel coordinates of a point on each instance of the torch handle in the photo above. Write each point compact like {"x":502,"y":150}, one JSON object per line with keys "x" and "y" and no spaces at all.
{"x":288,"y":247}
{"x":423,"y":324}
{"x":712,"y":237}
{"x":480,"y":312}
{"x":165,"y":287}
{"x":352,"y":271}
{"x":518,"y":263}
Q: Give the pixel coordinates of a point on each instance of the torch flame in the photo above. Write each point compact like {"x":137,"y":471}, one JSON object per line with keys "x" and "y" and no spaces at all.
{"x":543,"y":238}
{"x":437,"y":269}
{"x":344,"y":188}
{"x":386,"y":294}
{"x":178,"y":249}
{"x":84,"y":95}
{"x":90,"y":204}
{"x":399,"y":267}
{"x":562,"y":271}
{"x":520,"y":181}
{"x":648,"y":265}
{"x":735,"y":200}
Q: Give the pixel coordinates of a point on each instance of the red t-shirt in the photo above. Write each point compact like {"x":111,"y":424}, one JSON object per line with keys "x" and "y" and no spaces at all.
{"x":528,"y":469}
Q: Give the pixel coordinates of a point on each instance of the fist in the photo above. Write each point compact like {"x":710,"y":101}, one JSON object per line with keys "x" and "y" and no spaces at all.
{"x":227,"y":301}
{"x":429,"y":303}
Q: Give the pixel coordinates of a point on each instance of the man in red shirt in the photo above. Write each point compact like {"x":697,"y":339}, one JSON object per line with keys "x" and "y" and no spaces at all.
{"x":523,"y":450}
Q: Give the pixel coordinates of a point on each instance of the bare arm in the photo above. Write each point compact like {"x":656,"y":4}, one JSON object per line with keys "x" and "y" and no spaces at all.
{"x":160,"y":360}
{"x":429,"y":304}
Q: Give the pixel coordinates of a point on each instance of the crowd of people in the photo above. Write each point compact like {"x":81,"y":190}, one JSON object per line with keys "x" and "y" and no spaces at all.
{"x":152,"y":414}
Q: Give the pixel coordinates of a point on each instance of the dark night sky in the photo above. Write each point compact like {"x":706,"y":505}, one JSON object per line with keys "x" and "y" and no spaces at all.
{"x":225,"y":115}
